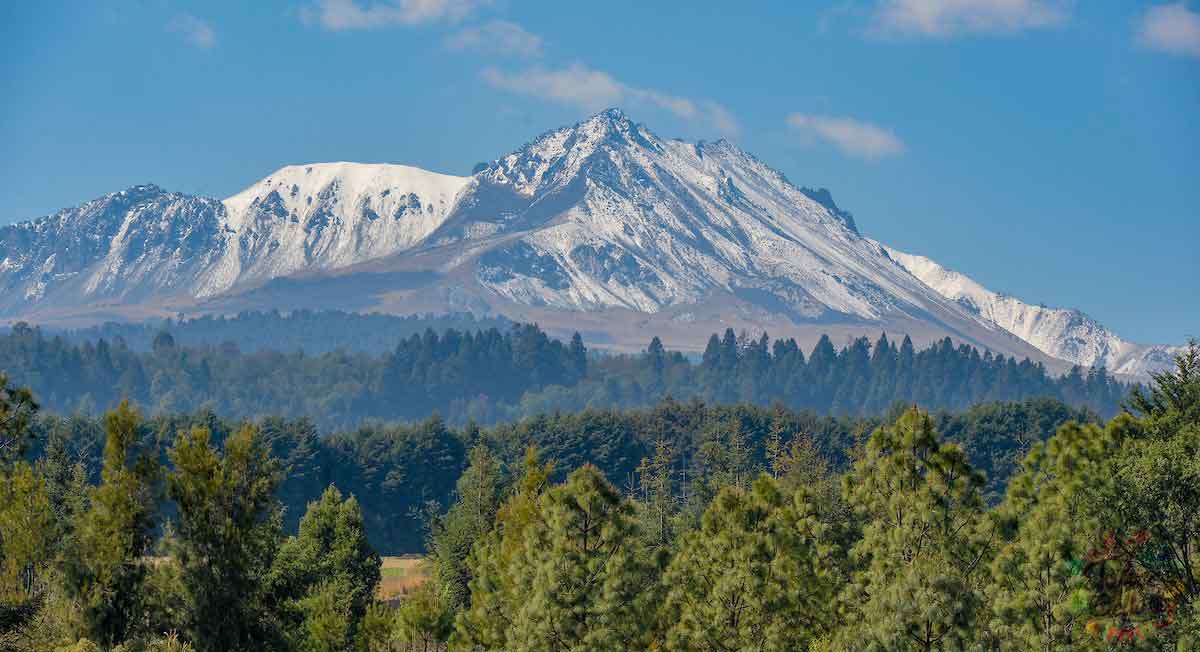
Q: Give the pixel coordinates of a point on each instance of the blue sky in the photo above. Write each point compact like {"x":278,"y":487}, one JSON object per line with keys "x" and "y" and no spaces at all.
{"x":1048,"y":148}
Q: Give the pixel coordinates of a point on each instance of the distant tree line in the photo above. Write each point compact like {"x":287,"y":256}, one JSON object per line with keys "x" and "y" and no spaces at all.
{"x":311,"y":331}
{"x":490,"y":375}
{"x":749,"y":529}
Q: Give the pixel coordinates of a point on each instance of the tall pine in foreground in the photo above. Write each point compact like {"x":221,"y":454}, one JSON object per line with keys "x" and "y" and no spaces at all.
{"x":106,"y":569}
{"x":497,"y":592}
{"x":228,"y":531}
{"x":453,"y":535}
{"x":591,"y":585}
{"x":758,"y":576}
{"x":922,"y":558}
{"x":327,"y":574}
{"x":1038,"y":588}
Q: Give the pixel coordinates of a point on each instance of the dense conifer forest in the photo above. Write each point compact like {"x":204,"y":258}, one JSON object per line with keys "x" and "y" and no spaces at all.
{"x":492,"y":375}
{"x":397,"y":470}
{"x":311,"y":331}
{"x":683,"y":527}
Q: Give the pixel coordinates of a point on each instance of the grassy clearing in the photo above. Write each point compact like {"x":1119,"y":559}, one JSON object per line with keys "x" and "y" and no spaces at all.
{"x":401,"y":575}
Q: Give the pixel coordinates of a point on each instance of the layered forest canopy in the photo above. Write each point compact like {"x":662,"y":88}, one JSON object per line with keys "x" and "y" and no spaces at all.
{"x":683,"y":528}
{"x":396,"y":470}
{"x":491,"y":375}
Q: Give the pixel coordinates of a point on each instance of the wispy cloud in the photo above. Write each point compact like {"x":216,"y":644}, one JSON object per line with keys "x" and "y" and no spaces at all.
{"x":498,"y":37}
{"x":1171,"y":28}
{"x":338,"y":15}
{"x":945,"y":18}
{"x":194,"y":30}
{"x":592,"y":90}
{"x":854,"y":137}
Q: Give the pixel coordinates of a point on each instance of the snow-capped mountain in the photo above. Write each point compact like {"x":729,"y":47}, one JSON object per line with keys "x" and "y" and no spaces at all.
{"x":1063,"y":333}
{"x":146,"y":243}
{"x":602,"y":226}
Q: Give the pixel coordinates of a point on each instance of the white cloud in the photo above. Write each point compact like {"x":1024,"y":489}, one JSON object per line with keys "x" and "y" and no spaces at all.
{"x":1171,"y":28}
{"x":861,"y":139}
{"x":593,"y":90}
{"x":498,"y":36}
{"x":194,"y":31}
{"x":337,"y":15}
{"x":954,"y":17}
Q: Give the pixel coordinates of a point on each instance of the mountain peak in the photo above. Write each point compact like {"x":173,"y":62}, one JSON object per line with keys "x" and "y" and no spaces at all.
{"x":611,"y":114}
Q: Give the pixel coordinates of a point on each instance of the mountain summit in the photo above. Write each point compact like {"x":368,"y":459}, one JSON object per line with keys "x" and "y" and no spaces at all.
{"x":602,"y":226}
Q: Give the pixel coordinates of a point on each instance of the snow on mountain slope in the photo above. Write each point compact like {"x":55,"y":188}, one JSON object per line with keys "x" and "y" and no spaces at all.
{"x":606,"y":214}
{"x":143,"y":242}
{"x":131,"y":243}
{"x":329,"y":215}
{"x":1059,"y":332}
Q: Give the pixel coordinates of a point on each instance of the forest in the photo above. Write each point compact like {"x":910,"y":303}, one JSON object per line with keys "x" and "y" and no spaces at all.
{"x":311,"y":331}
{"x":489,"y":375}
{"x":711,"y":527}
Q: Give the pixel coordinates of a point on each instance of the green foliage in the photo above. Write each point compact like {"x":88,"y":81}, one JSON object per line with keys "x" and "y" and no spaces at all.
{"x":424,"y":619}
{"x":1145,"y":571}
{"x":330,"y":569}
{"x":106,"y":568}
{"x":585,"y":584}
{"x":395,"y":470}
{"x":925,"y":543}
{"x":17,"y":408}
{"x":228,"y":531}
{"x":453,"y":535}
{"x":758,"y":575}
{"x":27,"y":531}
{"x":1093,"y":545}
{"x":490,"y":375}
{"x":498,"y":593}
{"x":1038,"y":588}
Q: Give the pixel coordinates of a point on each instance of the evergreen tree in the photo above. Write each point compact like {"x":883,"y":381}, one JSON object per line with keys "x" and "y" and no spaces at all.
{"x":757,"y":576}
{"x":27,"y":540}
{"x":577,"y":353}
{"x":106,"y":569}
{"x":329,"y":562}
{"x":925,"y":543}
{"x":497,"y":592}
{"x":468,"y":521}
{"x":1038,"y":588}
{"x":589,"y":584}
{"x":1150,"y":511}
{"x":658,"y":505}
{"x":229,"y":528}
{"x":17,"y":409}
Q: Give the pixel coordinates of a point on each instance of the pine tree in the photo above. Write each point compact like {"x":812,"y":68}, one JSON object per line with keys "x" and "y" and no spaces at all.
{"x":107,"y":568}
{"x":577,"y":353}
{"x":328,"y":560}
{"x":229,"y":528}
{"x":589,"y":582}
{"x":1038,"y":588}
{"x":17,"y":409}
{"x":757,"y":576}
{"x":27,"y":542}
{"x":776,"y":451}
{"x":925,"y":543}
{"x":658,"y":505}
{"x":453,"y":535}
{"x":497,"y":593}
{"x":1149,"y":511}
